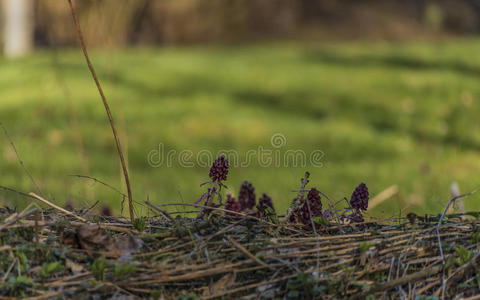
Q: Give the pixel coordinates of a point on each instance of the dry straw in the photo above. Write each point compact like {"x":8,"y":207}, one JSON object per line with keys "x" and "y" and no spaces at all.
{"x":242,"y":257}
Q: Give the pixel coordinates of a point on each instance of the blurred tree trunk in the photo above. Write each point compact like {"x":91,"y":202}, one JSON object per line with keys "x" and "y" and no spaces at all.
{"x":18,"y":27}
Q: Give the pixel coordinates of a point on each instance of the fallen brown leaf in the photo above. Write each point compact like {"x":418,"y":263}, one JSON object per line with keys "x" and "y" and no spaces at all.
{"x":223,"y":283}
{"x":124,"y":246}
{"x":90,"y":235}
{"x":73,"y":266}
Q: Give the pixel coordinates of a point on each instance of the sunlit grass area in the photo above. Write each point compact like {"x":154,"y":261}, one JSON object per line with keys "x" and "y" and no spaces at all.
{"x":383,"y":114}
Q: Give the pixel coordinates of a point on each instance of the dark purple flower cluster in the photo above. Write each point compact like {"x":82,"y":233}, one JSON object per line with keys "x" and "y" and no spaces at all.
{"x":246,"y":195}
{"x":246,"y":202}
{"x":265,"y":201}
{"x":315,"y":202}
{"x":305,"y":212}
{"x":359,"y":203}
{"x":219,"y":169}
{"x":265,"y":206}
{"x":218,"y":173}
{"x":311,"y":206}
{"x":359,"y":199}
{"x":232,"y":204}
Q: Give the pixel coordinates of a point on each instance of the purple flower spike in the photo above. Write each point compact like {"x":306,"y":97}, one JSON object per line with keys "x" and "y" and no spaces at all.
{"x":233,"y":205}
{"x":304,"y":215}
{"x":360,"y":196}
{"x":246,"y":195}
{"x":219,"y":169}
{"x":265,"y":207}
{"x":315,"y":202}
{"x":265,"y":201}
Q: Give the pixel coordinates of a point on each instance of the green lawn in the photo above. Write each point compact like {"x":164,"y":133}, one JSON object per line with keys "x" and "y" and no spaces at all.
{"x":383,"y":114}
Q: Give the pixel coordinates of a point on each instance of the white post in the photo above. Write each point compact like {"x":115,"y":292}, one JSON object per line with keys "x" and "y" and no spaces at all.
{"x":18,"y":27}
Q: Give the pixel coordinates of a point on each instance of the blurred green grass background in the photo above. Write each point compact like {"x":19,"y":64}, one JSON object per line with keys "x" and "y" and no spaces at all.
{"x":382,"y":113}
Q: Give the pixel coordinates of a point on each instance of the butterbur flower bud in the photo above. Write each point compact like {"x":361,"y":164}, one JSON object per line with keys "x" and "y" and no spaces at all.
{"x":232,"y":204}
{"x":246,"y":195}
{"x":359,"y":198}
{"x":265,"y":206}
{"x":303,"y":214}
{"x":265,"y":201}
{"x":315,"y":202}
{"x":219,"y":169}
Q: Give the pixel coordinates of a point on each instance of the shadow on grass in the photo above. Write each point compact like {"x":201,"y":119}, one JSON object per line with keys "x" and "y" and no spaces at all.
{"x":311,"y":104}
{"x":389,"y":61}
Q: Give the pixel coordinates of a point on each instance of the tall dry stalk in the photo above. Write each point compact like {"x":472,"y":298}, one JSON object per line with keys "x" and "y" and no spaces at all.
{"x":107,"y":109}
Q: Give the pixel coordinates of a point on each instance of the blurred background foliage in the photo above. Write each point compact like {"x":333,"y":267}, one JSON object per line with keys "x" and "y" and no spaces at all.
{"x":131,"y":22}
{"x":388,"y":90}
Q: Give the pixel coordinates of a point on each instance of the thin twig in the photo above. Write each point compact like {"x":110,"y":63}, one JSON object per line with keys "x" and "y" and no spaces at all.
{"x":16,"y":191}
{"x":106,"y":185}
{"x":22,"y":215}
{"x":15,"y":260}
{"x":310,"y":214}
{"x":393,"y":283}
{"x":333,"y":208}
{"x":107,"y":109}
{"x":58,"y":207}
{"x":99,"y":181}
{"x":164,"y":214}
{"x":246,"y":252}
